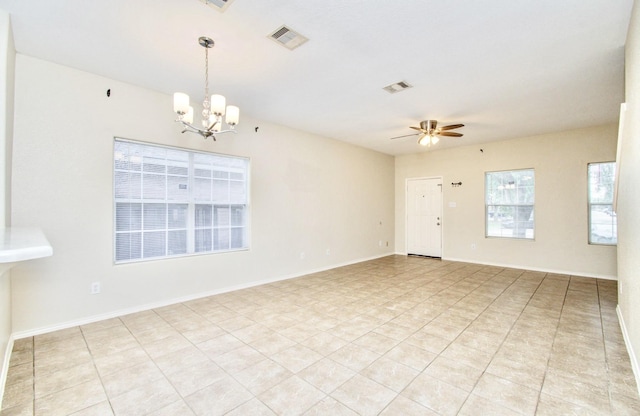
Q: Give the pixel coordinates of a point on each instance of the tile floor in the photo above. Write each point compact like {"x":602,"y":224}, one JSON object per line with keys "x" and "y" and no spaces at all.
{"x":394,"y":336}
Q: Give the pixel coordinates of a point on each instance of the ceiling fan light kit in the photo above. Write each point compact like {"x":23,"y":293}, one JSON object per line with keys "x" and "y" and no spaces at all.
{"x":429,"y":132}
{"x":213,"y":108}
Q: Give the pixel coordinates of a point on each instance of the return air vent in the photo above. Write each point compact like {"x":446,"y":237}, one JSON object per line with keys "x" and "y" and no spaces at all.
{"x":219,"y":5}
{"x":397,"y":87}
{"x":288,"y":38}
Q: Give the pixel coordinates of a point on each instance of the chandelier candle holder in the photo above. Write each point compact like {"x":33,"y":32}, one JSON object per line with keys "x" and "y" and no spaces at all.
{"x":213,"y":108}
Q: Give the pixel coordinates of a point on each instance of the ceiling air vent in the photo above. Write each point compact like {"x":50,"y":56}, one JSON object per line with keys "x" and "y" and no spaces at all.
{"x":288,"y":38}
{"x":219,"y":5}
{"x":397,"y":87}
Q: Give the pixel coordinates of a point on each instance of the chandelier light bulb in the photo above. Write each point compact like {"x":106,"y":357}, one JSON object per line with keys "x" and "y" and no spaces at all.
{"x":188,"y":117}
{"x":180,"y":103}
{"x":233,"y":115}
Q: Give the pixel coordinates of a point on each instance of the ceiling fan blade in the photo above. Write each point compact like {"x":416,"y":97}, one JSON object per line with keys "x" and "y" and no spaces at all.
{"x":450,"y":134}
{"x":406,"y":135}
{"x":416,"y":128}
{"x":451,"y":127}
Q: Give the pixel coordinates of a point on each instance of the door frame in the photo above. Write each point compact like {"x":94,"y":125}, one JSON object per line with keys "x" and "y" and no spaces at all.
{"x":406,"y":212}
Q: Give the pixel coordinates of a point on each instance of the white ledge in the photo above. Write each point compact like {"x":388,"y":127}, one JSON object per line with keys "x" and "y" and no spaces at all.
{"x":20,"y":244}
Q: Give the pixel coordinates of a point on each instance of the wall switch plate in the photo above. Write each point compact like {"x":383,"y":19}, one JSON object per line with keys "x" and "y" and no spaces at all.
{"x":95,"y":288}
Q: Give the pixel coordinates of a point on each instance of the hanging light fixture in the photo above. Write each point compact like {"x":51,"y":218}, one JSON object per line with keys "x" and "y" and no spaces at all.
{"x":213,"y":108}
{"x":427,"y":139}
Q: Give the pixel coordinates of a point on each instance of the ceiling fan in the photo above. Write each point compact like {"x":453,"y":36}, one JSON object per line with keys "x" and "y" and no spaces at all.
{"x":429,"y":132}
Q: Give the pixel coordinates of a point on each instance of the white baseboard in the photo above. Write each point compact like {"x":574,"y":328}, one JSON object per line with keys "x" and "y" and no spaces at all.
{"x":5,"y":368}
{"x":520,"y":267}
{"x":167,"y":302}
{"x":632,"y":354}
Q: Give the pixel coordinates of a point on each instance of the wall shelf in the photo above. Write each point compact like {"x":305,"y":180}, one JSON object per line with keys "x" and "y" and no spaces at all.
{"x":21,"y":244}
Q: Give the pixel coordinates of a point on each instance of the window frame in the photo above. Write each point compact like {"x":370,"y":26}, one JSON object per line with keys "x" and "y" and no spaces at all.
{"x":590,"y":204}
{"x":514,"y":206}
{"x":238,"y":172}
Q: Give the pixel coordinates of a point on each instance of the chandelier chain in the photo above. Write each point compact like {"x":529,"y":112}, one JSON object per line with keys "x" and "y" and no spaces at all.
{"x":206,"y":104}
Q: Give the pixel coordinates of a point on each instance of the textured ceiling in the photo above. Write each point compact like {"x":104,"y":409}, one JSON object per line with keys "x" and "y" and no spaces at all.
{"x":504,"y":68}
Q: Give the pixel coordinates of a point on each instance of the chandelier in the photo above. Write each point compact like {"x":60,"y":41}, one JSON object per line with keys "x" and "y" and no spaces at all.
{"x":213,"y":108}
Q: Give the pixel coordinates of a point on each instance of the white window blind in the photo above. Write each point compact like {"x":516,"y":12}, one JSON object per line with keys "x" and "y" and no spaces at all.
{"x":603,"y":225}
{"x":509,"y":203}
{"x":171,"y":202}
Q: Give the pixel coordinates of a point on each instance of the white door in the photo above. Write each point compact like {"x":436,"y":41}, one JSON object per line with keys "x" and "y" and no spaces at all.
{"x":424,"y":217}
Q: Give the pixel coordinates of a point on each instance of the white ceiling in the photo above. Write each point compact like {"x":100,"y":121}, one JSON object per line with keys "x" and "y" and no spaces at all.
{"x":504,"y":68}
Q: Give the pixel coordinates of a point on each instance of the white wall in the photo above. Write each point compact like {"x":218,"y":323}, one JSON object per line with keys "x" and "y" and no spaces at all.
{"x":561,"y":230}
{"x":7,"y":56}
{"x":629,"y":198}
{"x":308,"y":194}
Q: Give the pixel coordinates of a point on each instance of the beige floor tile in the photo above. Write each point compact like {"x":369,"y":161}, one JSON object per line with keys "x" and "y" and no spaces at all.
{"x":151,"y":396}
{"x":436,"y":395}
{"x":553,"y":406}
{"x":624,"y":405}
{"x":20,"y":357}
{"x":253,"y":332}
{"x":354,"y":357}
{"x":113,"y":363}
{"x":271,"y":344}
{"x":363,"y":395}
{"x":476,"y":405}
{"x":525,"y":373}
{"x":454,"y":373}
{"x":294,"y":396}
{"x":574,"y":391}
{"x":23,"y":409}
{"x":296,"y":358}
{"x":324,"y":343}
{"x":100,"y":409}
{"x":48,"y":383}
{"x":411,"y":356}
{"x":262,"y":376}
{"x":178,"y":408}
{"x":330,"y":406}
{"x":507,"y":394}
{"x":253,"y":407}
{"x":202,"y":334}
{"x":220,"y":345}
{"x":405,"y":407}
{"x":390,"y":373}
{"x":174,"y":361}
{"x":111,"y":345}
{"x":18,"y":394}
{"x":194,"y":377}
{"x":167,"y":345}
{"x":131,"y":378}
{"x":238,"y":359}
{"x":70,"y":400}
{"x":376,"y":342}
{"x":218,"y":398}
{"x":326,"y":375}
{"x":20,"y":373}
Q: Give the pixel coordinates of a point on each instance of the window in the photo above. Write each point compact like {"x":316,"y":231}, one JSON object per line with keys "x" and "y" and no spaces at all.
{"x":603,"y":228}
{"x":173,"y":202}
{"x":509,"y":202}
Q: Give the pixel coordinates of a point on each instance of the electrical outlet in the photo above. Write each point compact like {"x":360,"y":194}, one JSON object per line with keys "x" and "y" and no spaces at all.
{"x":302,"y":255}
{"x":95,"y":288}
{"x":328,"y":252}
{"x":380,"y":243}
{"x":473,"y":246}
